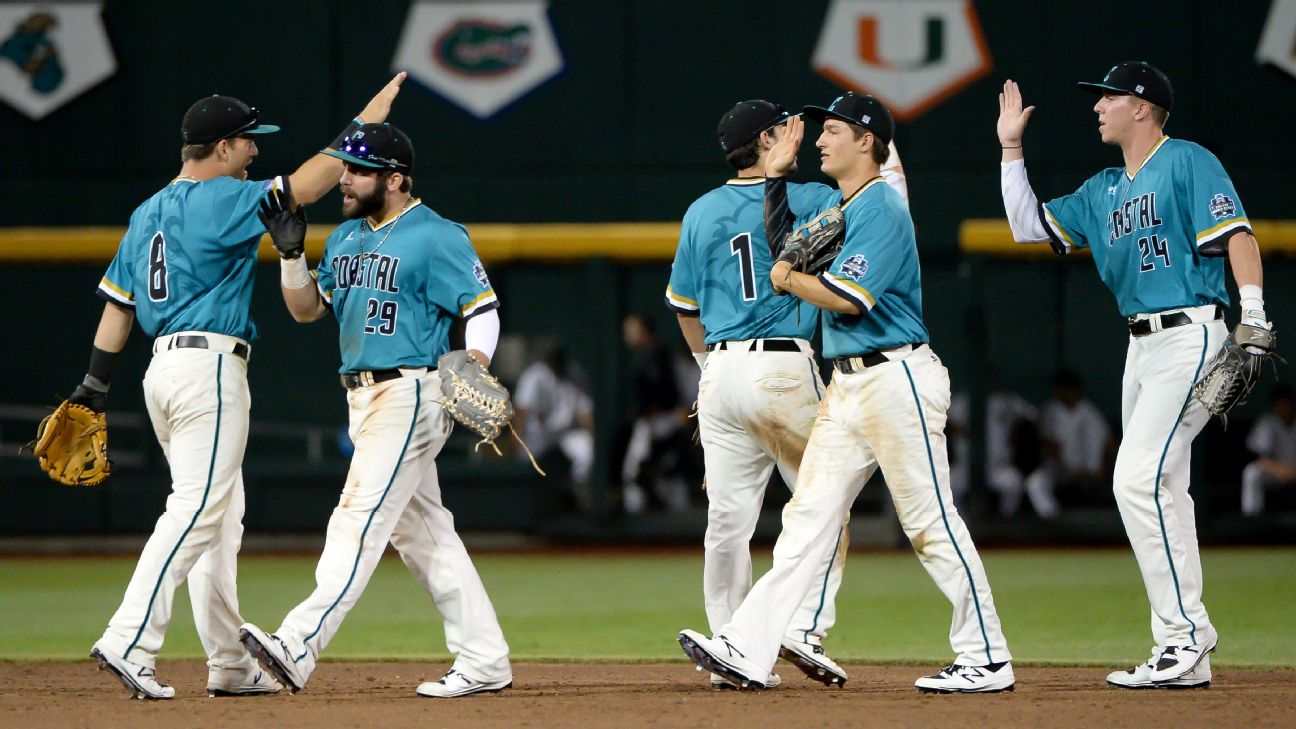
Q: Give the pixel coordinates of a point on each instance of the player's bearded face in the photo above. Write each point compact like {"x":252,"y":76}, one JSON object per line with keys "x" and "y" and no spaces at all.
{"x":362,"y":196}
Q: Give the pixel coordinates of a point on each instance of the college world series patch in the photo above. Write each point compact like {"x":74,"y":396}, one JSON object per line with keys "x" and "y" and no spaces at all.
{"x":855,"y":267}
{"x":480,"y":272}
{"x":1221,"y":206}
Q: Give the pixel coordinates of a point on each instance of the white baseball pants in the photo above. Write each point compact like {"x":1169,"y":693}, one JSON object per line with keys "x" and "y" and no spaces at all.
{"x":755,"y":412}
{"x":392,"y":493}
{"x":198,"y":402}
{"x":891,"y":416}
{"x":1160,"y":419}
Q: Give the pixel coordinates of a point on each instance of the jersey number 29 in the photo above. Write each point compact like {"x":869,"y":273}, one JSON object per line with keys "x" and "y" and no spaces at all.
{"x":385,"y":313}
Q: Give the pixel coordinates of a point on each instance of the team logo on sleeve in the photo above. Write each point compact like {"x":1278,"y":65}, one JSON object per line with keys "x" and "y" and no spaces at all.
{"x":1221,"y":206}
{"x":480,"y":272}
{"x":855,"y":267}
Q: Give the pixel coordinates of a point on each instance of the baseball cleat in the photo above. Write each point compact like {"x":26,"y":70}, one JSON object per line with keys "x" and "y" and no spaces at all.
{"x":813,"y":662}
{"x":718,"y":683}
{"x":1139,"y":677}
{"x":956,"y":679}
{"x":455,"y":683}
{"x":721,"y":658}
{"x":1176,"y":661}
{"x":273,"y":655}
{"x":255,"y":682}
{"x":140,"y":680}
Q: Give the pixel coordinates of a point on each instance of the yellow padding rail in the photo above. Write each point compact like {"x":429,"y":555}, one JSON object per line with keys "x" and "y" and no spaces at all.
{"x":496,"y":242}
{"x":991,"y":237}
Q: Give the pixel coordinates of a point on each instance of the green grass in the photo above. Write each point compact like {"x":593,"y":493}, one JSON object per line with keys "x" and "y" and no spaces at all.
{"x":1063,"y":607}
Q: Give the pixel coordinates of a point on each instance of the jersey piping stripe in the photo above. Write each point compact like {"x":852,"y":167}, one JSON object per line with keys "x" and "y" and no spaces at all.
{"x":855,"y":196}
{"x":369,"y":522}
{"x":1156,"y":487}
{"x":1058,"y":229}
{"x":115,"y":292}
{"x":211,"y":469}
{"x":746,"y":181}
{"x":675,"y":301}
{"x":1226,"y":228}
{"x":486,"y":298}
{"x":412,"y":204}
{"x":1155,"y":148}
{"x":976,"y":599}
{"x":848,"y":290}
{"x":823,"y":590}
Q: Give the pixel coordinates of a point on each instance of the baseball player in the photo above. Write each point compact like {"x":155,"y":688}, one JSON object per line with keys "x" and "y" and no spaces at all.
{"x":886,"y":407}
{"x":758,"y":394}
{"x":185,"y":268}
{"x":1158,"y":228}
{"x":396,"y":275}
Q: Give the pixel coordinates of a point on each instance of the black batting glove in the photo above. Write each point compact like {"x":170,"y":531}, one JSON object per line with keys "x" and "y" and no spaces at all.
{"x":287,"y":228}
{"x":84,"y":394}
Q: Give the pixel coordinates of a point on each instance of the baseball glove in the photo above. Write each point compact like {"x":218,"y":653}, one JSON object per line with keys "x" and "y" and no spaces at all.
{"x":813,"y":246}
{"x":472,"y":395}
{"x":1231,"y":374}
{"x":72,"y":445}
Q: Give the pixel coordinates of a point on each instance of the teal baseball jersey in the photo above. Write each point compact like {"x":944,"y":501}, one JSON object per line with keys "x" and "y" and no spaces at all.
{"x":396,"y":289}
{"x":877,"y":270}
{"x":188,"y":259}
{"x":1157,"y":238}
{"x":722,"y":265}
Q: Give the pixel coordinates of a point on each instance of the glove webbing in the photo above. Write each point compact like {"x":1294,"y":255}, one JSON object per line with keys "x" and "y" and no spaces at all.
{"x":492,"y":406}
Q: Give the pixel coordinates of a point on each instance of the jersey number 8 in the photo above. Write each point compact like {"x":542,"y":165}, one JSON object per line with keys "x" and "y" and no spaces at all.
{"x":157,"y":272}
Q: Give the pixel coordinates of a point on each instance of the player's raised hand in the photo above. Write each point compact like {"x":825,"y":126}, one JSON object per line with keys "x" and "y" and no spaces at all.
{"x":781,"y":159}
{"x":1012,"y":117}
{"x":376,"y":111}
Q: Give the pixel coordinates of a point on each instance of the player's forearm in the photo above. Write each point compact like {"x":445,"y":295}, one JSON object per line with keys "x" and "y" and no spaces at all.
{"x":694,"y":334}
{"x":1244,"y":258}
{"x":1020,"y":204}
{"x":304,"y":303}
{"x":315,"y":178}
{"x":779,"y":217}
{"x":894,"y":174}
{"x":114,"y":328}
{"x":808,"y":288}
{"x":481,"y":335}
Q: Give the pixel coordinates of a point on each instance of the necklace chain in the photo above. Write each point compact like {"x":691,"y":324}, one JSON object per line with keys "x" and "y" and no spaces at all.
{"x":365,"y":223}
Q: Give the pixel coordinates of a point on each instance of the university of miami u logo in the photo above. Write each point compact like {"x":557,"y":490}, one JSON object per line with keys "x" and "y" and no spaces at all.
{"x":910,"y":55}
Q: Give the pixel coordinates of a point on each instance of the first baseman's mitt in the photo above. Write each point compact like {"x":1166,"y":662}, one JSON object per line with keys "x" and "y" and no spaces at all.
{"x":813,"y":246}
{"x":72,"y":445}
{"x":1231,"y":374}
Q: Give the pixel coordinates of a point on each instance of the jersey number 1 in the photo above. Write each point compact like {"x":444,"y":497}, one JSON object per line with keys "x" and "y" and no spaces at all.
{"x":741,"y":246}
{"x":157,"y":272}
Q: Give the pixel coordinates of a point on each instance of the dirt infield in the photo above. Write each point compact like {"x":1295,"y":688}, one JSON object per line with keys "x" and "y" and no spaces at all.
{"x":369,"y":695}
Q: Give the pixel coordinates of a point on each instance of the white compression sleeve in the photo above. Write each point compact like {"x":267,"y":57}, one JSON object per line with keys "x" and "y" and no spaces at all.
{"x":893,"y":173}
{"x":1020,"y":203}
{"x":293,"y":273}
{"x":482,"y":333}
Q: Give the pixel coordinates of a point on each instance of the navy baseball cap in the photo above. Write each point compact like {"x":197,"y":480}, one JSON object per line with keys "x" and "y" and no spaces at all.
{"x":377,"y":146}
{"x":221,"y":117}
{"x":746,"y":120}
{"x":1136,"y":78}
{"x":864,"y":111}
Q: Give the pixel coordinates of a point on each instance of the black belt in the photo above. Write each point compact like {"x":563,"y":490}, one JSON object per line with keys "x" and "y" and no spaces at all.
{"x":197,"y":341}
{"x":769,"y":345}
{"x":859,"y":362}
{"x":1143,"y":327}
{"x":352,"y":380}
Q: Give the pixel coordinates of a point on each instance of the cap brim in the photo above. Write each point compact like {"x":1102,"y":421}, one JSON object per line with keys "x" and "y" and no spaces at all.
{"x":262,"y":129}
{"x":820,"y":114}
{"x":351,"y":159}
{"x":1101,"y":88}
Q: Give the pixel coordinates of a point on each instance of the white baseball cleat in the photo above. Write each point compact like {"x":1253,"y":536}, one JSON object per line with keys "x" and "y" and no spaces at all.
{"x":813,"y":662}
{"x":723,"y":659}
{"x":140,"y":680}
{"x":956,"y":679}
{"x":255,"y":682}
{"x":455,"y":683}
{"x":1139,"y":677}
{"x":1175,"y":661}
{"x":274,"y":656}
{"x":718,"y":682}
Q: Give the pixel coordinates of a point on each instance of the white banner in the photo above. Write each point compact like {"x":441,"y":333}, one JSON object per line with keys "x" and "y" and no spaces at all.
{"x":482,"y":56}
{"x":910,"y":55}
{"x":1278,"y":42}
{"x":50,"y":53}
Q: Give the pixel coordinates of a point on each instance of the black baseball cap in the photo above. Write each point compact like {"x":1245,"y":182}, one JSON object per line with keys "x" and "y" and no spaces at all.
{"x":865,"y":111}
{"x":1136,"y":78}
{"x":746,"y":120}
{"x":377,"y":146}
{"x":221,"y":117}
